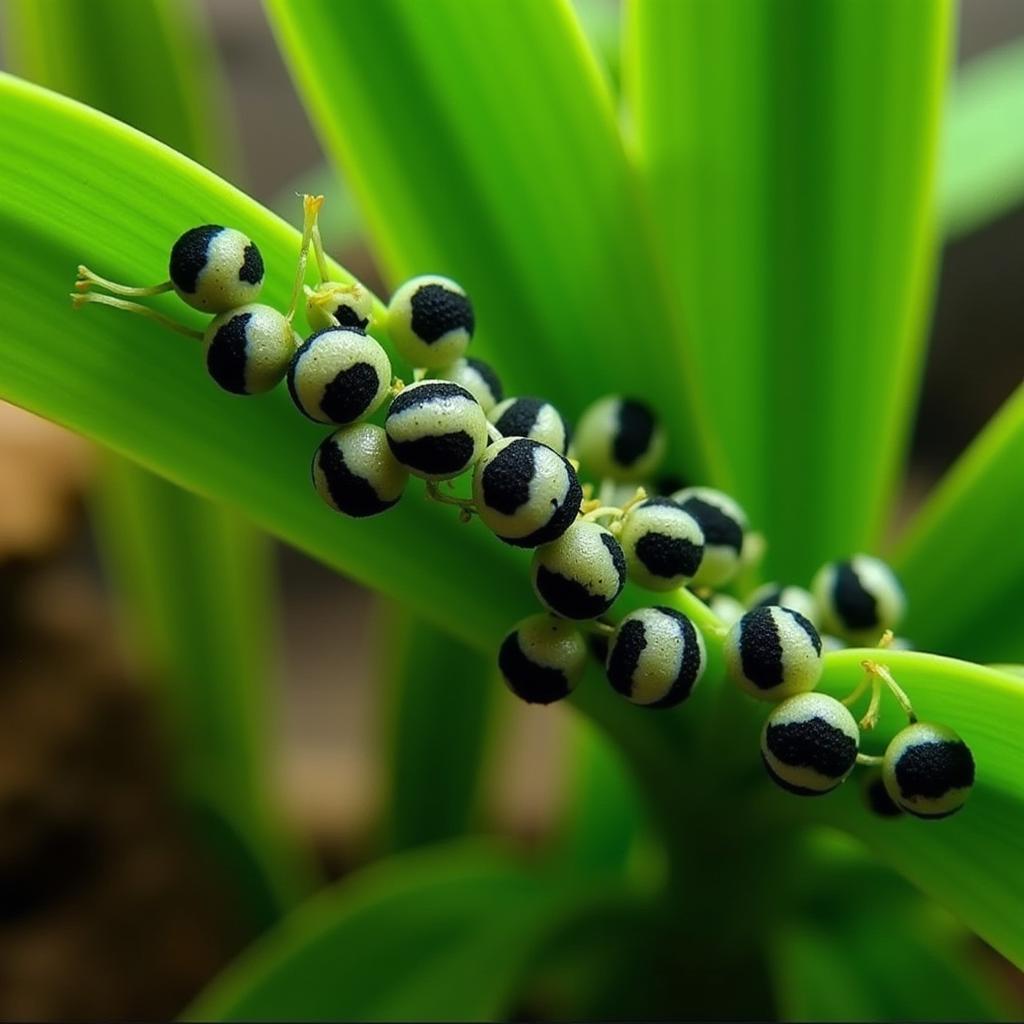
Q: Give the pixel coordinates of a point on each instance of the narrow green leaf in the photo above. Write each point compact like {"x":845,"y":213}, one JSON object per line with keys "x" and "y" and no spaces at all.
{"x":969,"y":863}
{"x":983,"y":157}
{"x":963,"y":558}
{"x":485,"y":146}
{"x":790,"y":153}
{"x":439,"y":935}
{"x":194,"y":581}
{"x":440,"y":696}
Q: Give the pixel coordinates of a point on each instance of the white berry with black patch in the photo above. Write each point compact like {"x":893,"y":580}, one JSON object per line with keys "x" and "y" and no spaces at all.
{"x":859,"y":598}
{"x":809,"y":744}
{"x":214,"y":268}
{"x":478,"y":378}
{"x":430,"y":321}
{"x":534,"y":418}
{"x":355,"y":472}
{"x":656,"y":657}
{"x":436,"y":429}
{"x":580,"y":574}
{"x":619,"y":439}
{"x":525,"y":492}
{"x":797,"y":598}
{"x":339,"y":375}
{"x":724,"y":524}
{"x":772,"y":653}
{"x":928,"y":770}
{"x":249,"y":349}
{"x":542,"y":659}
{"x":664,"y":544}
{"x":334,"y":304}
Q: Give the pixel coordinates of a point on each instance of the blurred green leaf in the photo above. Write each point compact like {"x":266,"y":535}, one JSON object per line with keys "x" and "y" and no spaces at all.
{"x":790,"y":153}
{"x":440,"y":935}
{"x":439,"y":701}
{"x":485,"y":146}
{"x":983,"y":155}
{"x":962,"y":559}
{"x":194,"y":581}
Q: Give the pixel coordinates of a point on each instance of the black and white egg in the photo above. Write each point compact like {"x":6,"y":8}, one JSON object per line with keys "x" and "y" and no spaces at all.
{"x":797,"y":598}
{"x":478,"y":378}
{"x":664,"y":544}
{"x":580,"y":574}
{"x":928,"y":770}
{"x":724,"y":524}
{"x":534,"y":418}
{"x":542,"y":659}
{"x":335,"y":304}
{"x":249,"y":349}
{"x":656,"y":657}
{"x":619,"y":439}
{"x":525,"y":492}
{"x":436,"y":429}
{"x":339,"y":375}
{"x":355,"y":472}
{"x":772,"y":653}
{"x":809,"y":744}
{"x":430,"y":320}
{"x":214,"y":268}
{"x":859,"y":598}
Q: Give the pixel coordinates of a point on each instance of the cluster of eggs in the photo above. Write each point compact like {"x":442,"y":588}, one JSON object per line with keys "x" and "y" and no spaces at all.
{"x":527,"y":492}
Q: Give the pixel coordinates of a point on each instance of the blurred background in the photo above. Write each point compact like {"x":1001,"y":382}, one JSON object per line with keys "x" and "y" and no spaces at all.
{"x":109,"y":907}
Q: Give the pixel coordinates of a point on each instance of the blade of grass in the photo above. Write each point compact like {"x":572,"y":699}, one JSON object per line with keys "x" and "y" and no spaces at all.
{"x":445,"y":934}
{"x":486,"y":147}
{"x":983,"y":157}
{"x":194,"y":580}
{"x":439,"y":710}
{"x":790,"y":153}
{"x":963,"y":556}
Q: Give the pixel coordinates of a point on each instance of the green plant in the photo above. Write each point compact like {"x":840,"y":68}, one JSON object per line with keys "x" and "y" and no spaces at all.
{"x":756,"y":259}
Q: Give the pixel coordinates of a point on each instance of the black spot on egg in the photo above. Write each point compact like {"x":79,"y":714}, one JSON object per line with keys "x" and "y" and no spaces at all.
{"x":563,"y":517}
{"x":437,"y":310}
{"x":189,"y":255}
{"x":226,"y":358}
{"x":569,"y":597}
{"x":636,"y":430}
{"x":506,"y":479}
{"x":252,"y":265}
{"x":855,"y":605}
{"x":442,"y":453}
{"x":630,"y":643}
{"x":812,"y":743}
{"x":720,"y":529}
{"x":348,"y":317}
{"x":689,"y":665}
{"x":353,"y":494}
{"x":520,"y":417}
{"x":761,"y":649}
{"x":879,"y":801}
{"x":930,"y":770}
{"x":423,"y":394}
{"x":350,"y":393}
{"x":618,"y":558}
{"x":536,"y":684}
{"x":489,"y":377}
{"x":667,"y":556}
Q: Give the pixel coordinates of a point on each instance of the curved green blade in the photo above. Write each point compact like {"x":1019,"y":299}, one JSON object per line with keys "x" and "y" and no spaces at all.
{"x":790,"y":151}
{"x":439,"y":935}
{"x":480,"y":141}
{"x":963,"y":555}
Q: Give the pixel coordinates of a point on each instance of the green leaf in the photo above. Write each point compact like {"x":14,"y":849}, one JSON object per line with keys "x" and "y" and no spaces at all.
{"x":480,"y":141}
{"x":789,"y":150}
{"x":439,"y":709}
{"x":855,"y":937}
{"x":445,"y":934}
{"x":969,"y":863}
{"x":194,"y":582}
{"x":983,"y":157}
{"x":962,"y":560}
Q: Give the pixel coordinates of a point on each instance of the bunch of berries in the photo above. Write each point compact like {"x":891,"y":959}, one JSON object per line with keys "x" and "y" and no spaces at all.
{"x":586,"y":539}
